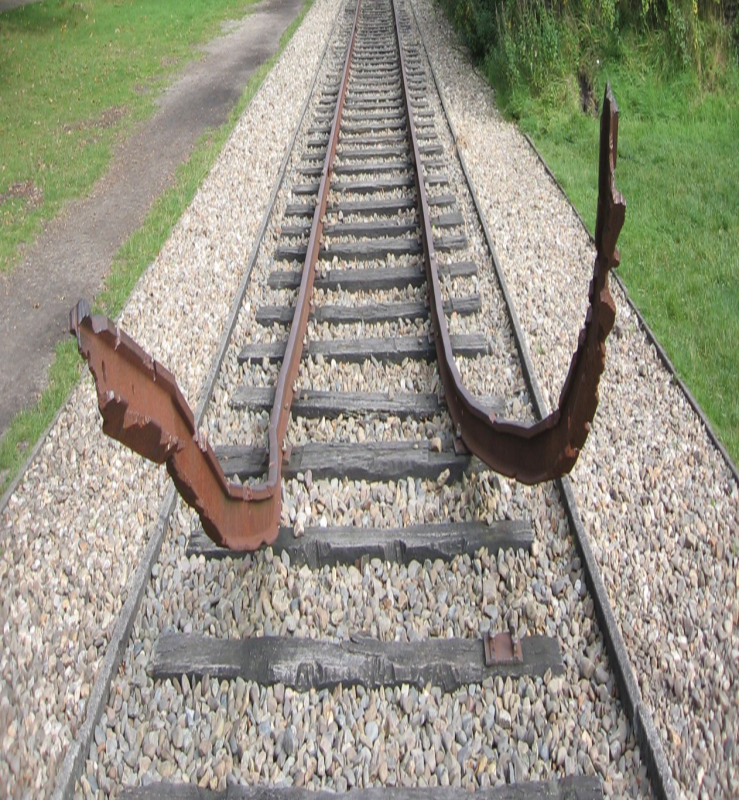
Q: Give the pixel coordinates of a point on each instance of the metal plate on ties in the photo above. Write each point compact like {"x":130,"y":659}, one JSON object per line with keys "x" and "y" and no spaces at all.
{"x":502,"y":648}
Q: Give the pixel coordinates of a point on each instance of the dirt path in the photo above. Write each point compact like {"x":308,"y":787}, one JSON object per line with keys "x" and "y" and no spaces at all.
{"x":73,"y":255}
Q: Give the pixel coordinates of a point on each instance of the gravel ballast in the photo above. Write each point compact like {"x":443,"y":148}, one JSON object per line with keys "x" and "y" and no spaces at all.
{"x":657,"y":499}
{"x":213,"y":733}
{"x":75,"y":527}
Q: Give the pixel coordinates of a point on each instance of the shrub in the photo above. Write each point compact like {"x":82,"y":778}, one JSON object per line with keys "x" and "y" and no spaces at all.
{"x":533,"y":42}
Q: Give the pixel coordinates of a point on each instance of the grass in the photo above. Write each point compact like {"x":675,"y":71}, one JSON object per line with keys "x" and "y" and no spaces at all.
{"x":74,"y":77}
{"x":679,"y":171}
{"x":128,"y":265}
{"x":27,"y":427}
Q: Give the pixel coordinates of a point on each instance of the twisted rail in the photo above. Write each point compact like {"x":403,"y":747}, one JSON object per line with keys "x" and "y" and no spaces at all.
{"x":143,"y":408}
{"x":537,"y":452}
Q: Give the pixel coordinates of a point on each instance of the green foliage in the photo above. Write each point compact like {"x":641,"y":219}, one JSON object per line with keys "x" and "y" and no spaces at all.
{"x":529,"y":42}
{"x":28,"y":426}
{"x":476,"y":22}
{"x":535,"y":43}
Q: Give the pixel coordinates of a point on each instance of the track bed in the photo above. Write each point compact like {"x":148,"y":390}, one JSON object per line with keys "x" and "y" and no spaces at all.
{"x":419,"y":623}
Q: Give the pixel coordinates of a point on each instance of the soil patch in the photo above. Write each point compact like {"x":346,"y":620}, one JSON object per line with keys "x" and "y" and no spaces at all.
{"x":25,"y":190}
{"x":6,"y":5}
{"x":108,"y":118}
{"x":73,"y":255}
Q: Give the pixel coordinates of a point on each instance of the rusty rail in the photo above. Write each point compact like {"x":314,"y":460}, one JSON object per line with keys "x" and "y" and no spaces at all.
{"x":549,"y":448}
{"x":143,"y":408}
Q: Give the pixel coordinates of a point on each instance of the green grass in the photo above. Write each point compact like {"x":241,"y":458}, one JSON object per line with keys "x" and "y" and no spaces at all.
{"x":27,"y":427}
{"x":129,"y":264}
{"x":678,"y":169}
{"x":74,"y":76}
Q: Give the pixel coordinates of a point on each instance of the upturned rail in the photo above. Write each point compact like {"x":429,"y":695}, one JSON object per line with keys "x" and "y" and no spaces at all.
{"x":550,"y":447}
{"x":143,"y":408}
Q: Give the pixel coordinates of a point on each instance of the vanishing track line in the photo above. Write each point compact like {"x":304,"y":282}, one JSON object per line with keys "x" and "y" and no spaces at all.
{"x":418,"y":622}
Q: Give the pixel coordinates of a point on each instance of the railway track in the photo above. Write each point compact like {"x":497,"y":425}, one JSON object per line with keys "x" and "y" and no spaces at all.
{"x":418,"y":622}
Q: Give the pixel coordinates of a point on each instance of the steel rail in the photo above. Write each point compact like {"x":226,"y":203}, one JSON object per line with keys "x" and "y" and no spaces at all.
{"x":549,"y":448}
{"x":143,"y":407}
{"x":636,"y":710}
